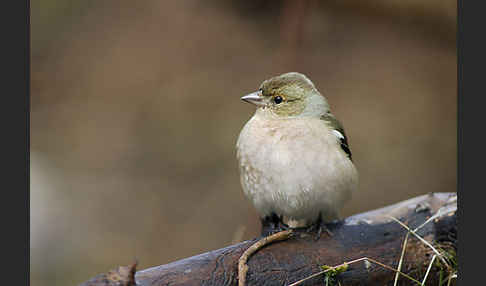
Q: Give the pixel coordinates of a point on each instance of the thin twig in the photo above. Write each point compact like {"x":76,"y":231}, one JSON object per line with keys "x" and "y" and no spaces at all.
{"x":243,"y":267}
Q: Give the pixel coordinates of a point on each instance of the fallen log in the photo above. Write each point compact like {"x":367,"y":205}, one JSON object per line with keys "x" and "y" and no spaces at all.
{"x":374,"y":236}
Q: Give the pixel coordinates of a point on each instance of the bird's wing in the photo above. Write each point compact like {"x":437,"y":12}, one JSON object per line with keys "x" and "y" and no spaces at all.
{"x":338,"y":130}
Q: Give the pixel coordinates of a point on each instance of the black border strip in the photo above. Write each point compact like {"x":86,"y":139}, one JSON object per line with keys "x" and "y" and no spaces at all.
{"x":15,"y":142}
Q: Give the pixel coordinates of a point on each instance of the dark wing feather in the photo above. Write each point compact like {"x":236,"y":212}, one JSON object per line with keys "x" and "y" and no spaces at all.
{"x":337,"y":126}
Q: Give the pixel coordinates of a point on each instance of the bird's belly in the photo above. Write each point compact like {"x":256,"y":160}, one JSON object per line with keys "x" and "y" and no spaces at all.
{"x":295,"y":177}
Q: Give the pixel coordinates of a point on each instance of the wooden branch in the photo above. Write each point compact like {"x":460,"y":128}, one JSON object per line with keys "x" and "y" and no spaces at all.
{"x":373,"y":234}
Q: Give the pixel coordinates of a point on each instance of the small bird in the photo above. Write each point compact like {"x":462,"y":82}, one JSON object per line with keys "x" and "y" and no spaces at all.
{"x":294,"y":158}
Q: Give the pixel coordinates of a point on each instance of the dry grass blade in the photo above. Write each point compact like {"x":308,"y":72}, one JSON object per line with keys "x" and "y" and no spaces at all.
{"x":351,"y":262}
{"x":393,"y":269}
{"x":327,"y":270}
{"x":424,"y":241}
{"x":401,"y":258}
{"x":453,"y":276}
{"x":428,"y":269}
{"x":438,"y":214}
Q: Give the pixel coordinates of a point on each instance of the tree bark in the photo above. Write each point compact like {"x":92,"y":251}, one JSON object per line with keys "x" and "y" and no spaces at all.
{"x":371,"y":234}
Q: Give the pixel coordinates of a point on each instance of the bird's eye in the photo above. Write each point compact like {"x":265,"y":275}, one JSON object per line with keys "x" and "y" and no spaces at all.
{"x":278,"y":99}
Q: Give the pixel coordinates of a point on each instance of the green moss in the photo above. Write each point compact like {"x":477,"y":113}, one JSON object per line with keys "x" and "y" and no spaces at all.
{"x":330,"y":277}
{"x":449,"y":254}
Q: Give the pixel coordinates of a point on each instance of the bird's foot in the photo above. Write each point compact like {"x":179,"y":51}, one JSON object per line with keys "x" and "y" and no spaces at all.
{"x":321,"y":228}
{"x":273,"y":224}
{"x":318,"y":228}
{"x":278,"y":228}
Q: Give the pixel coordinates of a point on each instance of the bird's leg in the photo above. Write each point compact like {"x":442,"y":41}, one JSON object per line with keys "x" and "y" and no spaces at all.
{"x":272,"y":224}
{"x":318,"y":226}
{"x":319,"y":232}
{"x":281,"y":225}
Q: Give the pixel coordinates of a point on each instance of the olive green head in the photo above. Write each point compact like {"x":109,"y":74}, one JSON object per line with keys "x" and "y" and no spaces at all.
{"x":289,"y":95}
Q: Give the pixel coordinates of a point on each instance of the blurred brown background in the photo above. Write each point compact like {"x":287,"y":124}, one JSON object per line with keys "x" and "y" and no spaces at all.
{"x":136,"y":111}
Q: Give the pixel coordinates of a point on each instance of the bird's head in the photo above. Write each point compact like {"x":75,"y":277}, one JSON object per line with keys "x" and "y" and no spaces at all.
{"x":289,"y":95}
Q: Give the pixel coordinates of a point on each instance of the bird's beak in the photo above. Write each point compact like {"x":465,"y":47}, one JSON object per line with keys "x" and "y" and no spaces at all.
{"x":255,"y":98}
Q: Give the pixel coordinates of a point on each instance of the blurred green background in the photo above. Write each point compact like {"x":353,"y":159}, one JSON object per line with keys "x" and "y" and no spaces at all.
{"x":135,"y":112}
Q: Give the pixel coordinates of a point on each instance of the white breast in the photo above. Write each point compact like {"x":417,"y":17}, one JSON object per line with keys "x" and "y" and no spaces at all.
{"x":295,"y":168}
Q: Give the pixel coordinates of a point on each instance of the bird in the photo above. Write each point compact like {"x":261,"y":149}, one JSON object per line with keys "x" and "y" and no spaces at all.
{"x":295,"y":162}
